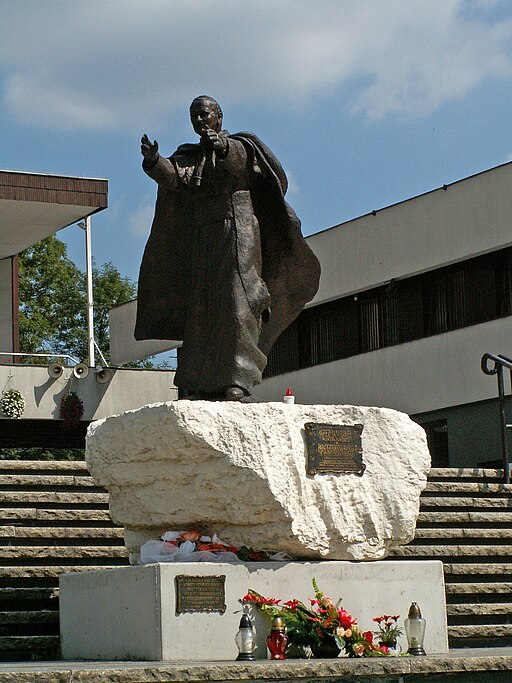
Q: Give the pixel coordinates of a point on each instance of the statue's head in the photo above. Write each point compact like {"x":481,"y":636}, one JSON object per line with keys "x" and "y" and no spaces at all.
{"x":205,"y":112}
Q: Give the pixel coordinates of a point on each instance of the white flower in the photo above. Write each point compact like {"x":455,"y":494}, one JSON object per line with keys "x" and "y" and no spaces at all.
{"x":170,"y":536}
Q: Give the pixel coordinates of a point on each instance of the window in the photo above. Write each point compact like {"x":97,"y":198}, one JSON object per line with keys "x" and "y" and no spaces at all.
{"x":449,"y":298}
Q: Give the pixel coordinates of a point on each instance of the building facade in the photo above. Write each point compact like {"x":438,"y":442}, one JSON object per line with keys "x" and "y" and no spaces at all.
{"x":411,"y":297}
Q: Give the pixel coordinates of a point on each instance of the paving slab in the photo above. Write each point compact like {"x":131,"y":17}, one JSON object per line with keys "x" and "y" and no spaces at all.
{"x":459,"y":661}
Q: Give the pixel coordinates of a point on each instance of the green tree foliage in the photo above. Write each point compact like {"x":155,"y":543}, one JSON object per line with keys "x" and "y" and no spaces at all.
{"x":53,"y":301}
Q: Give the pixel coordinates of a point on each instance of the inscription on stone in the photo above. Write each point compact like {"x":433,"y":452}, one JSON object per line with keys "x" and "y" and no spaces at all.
{"x":334,"y":448}
{"x":200,"y":594}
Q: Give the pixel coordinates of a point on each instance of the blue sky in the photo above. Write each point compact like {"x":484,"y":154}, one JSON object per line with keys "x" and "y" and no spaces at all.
{"x":365,"y":102}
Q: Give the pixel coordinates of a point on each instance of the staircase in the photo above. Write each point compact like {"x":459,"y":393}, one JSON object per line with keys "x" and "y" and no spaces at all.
{"x":53,"y":519}
{"x":466,"y":521}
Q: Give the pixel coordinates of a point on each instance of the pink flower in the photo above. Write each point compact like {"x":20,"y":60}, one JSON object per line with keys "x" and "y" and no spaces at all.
{"x":358,"y":649}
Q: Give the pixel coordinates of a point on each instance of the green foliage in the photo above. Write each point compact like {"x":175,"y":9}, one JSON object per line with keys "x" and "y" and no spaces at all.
{"x":53,"y":302}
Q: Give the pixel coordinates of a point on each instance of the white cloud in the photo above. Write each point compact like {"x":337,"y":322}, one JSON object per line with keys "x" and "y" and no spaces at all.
{"x":100,"y":64}
{"x":140,"y":221}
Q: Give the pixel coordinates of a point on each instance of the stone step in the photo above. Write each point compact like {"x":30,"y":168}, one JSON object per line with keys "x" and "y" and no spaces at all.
{"x":46,"y":532}
{"x":54,"y":515}
{"x":499,"y":502}
{"x":479,"y":609}
{"x":20,"y":595}
{"x":51,"y":571}
{"x":494,"y":588}
{"x":52,"y":498}
{"x":42,"y":552}
{"x":44,"y":481}
{"x":480,"y":631}
{"x":460,"y":533}
{"x":434,"y":551}
{"x":44,"y":465}
{"x":456,"y":487}
{"x":477,"y":569}
{"x":31,"y":644}
{"x":43,"y":616}
{"x":464,"y":517}
{"x":456,"y":473}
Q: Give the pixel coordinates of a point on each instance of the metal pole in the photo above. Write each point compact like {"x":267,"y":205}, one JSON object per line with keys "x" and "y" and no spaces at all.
{"x":90,"y":302}
{"x":503,"y":420}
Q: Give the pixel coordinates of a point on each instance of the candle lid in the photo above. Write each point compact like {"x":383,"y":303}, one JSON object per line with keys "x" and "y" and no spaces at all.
{"x":414,"y":611}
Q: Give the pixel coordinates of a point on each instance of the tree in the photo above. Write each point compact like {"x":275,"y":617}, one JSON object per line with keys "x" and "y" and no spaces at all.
{"x":53,"y":301}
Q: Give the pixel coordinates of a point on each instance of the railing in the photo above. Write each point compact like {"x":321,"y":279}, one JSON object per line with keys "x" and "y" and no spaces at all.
{"x":39,"y":355}
{"x":501,"y":363}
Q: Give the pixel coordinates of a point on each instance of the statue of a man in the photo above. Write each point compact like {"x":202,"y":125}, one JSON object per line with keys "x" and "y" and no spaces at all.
{"x":226,"y":268}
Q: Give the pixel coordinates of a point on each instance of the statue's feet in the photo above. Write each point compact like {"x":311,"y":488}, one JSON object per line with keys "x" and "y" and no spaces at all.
{"x":235,"y":394}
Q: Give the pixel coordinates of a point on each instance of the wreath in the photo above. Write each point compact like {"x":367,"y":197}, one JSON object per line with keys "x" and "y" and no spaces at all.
{"x":12,"y":403}
{"x":71,"y":410}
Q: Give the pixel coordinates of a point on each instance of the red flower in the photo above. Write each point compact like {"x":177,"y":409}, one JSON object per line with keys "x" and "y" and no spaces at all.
{"x":191,"y":536}
{"x":203,"y":546}
{"x":379,"y":619}
{"x":292,"y":604}
{"x":368,"y":636}
{"x":384,"y":649}
{"x":250,"y":598}
{"x":346,"y":621}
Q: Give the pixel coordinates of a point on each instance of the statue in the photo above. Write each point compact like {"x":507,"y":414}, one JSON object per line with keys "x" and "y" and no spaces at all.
{"x":225,"y":268}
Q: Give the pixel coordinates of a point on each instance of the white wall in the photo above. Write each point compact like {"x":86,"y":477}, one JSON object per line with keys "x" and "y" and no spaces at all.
{"x":128,"y":389}
{"x":124,"y":348}
{"x":471,"y":217}
{"x":416,"y":377}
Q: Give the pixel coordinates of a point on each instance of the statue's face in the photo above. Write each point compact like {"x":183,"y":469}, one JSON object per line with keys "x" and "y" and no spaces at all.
{"x":204,"y":115}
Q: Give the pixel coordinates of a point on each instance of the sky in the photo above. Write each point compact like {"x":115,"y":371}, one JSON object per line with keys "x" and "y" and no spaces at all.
{"x":365,"y":102}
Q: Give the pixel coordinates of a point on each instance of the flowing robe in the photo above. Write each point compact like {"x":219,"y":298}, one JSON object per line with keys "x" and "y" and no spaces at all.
{"x":217,"y":270}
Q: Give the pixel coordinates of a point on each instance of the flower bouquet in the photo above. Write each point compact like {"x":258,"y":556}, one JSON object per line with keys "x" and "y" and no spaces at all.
{"x":193,"y":546}
{"x":71,"y":410}
{"x":388,"y":632}
{"x":325,"y":628}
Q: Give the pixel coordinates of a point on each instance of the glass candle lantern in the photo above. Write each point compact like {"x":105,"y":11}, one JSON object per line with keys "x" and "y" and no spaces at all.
{"x":415,"y":630}
{"x":277,"y":640}
{"x":245,"y":640}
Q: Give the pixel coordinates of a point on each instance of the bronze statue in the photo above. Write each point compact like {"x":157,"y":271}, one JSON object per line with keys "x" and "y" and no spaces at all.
{"x":226,"y":268}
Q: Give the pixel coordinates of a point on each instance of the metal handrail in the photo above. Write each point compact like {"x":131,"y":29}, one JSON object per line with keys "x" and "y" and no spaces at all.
{"x":40,"y":355}
{"x":501,"y":362}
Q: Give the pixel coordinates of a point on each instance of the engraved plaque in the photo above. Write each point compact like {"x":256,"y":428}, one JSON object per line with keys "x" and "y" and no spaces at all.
{"x":200,"y":594}
{"x":334,"y":448}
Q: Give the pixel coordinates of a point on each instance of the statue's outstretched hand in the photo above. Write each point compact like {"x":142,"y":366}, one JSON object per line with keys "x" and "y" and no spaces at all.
{"x":148,"y":149}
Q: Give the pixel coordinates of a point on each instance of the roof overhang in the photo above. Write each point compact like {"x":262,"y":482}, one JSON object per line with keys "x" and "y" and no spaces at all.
{"x":34,"y":206}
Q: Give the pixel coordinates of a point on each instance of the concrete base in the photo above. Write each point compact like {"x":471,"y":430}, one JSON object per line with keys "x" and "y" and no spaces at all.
{"x":130,"y":613}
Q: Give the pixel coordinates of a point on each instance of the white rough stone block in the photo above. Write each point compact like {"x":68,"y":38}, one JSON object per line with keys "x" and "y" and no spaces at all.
{"x":240,"y":470}
{"x":130,"y":612}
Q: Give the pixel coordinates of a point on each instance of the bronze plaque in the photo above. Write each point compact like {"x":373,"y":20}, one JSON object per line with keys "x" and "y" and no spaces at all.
{"x":200,"y":594}
{"x":334,"y":448}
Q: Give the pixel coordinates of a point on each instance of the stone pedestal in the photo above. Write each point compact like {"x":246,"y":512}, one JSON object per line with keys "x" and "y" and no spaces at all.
{"x":130,"y":613}
{"x":241,"y":471}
